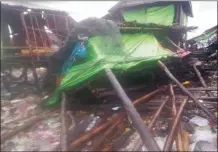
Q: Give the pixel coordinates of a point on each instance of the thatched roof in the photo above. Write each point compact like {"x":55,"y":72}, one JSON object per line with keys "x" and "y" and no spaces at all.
{"x":187,"y":7}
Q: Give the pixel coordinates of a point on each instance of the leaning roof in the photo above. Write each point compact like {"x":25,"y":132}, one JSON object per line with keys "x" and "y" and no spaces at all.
{"x":130,"y":3}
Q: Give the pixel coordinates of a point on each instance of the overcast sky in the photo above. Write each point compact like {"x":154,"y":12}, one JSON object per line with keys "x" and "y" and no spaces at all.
{"x":205,"y":12}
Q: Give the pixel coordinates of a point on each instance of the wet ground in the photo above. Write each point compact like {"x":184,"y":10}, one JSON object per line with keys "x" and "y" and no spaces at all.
{"x":44,"y":135}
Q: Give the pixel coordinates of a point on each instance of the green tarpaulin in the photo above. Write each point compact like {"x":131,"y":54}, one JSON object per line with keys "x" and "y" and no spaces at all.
{"x":104,"y":53}
{"x":161,"y":15}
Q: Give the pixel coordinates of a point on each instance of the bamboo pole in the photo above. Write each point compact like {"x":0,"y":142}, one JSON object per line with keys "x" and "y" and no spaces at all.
{"x":201,"y":79}
{"x":169,"y":74}
{"x":63,"y":137}
{"x":97,"y":145}
{"x":185,"y":136}
{"x":100,"y":128}
{"x":94,"y":131}
{"x":208,"y":98}
{"x":139,"y":144}
{"x":179,"y":144}
{"x":146,"y":136}
{"x":170,"y":138}
{"x":202,"y":89}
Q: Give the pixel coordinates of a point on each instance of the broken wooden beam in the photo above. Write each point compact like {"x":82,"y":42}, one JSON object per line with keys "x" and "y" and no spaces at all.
{"x":170,"y":138}
{"x":63,"y":137}
{"x":134,"y":115}
{"x":169,"y":74}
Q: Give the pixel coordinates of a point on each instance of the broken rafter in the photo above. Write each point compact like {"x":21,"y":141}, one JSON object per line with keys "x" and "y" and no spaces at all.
{"x":134,"y":115}
{"x":169,"y":74}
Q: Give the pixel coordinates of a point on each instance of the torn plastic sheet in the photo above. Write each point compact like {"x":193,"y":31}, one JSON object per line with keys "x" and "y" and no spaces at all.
{"x":203,"y":139}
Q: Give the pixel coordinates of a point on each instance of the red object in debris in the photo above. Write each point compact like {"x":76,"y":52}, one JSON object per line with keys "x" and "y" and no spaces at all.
{"x":182,"y":53}
{"x":58,"y":80}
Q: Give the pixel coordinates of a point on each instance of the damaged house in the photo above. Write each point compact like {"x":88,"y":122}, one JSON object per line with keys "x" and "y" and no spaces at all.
{"x":152,"y":13}
{"x":30,"y":34}
{"x":128,"y":83}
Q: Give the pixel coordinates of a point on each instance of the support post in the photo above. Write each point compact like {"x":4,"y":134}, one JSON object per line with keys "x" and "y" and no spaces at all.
{"x":143,"y":130}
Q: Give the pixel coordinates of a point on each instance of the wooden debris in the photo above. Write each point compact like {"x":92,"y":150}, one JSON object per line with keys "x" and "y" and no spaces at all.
{"x":185,"y":137}
{"x":94,"y":132}
{"x":134,"y":115}
{"x":139,"y":144}
{"x":208,"y":98}
{"x":202,"y":89}
{"x":174,"y":112}
{"x":108,"y":132}
{"x":171,"y":136}
{"x":169,"y":74}
{"x":98,"y":129}
{"x":201,"y":79}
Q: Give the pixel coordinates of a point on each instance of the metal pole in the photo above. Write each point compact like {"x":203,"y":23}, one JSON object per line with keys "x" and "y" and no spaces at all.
{"x":143,"y":130}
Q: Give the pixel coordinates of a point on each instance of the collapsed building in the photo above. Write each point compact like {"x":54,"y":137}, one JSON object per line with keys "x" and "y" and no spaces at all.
{"x":134,"y":54}
{"x":30,"y":35}
{"x":204,"y":46}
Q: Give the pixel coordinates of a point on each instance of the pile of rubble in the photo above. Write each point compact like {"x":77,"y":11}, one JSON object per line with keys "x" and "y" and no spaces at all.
{"x":174,"y":119}
{"x":167,"y":101}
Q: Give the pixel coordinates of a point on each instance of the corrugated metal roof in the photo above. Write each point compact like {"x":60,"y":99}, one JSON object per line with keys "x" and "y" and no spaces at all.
{"x":131,"y":3}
